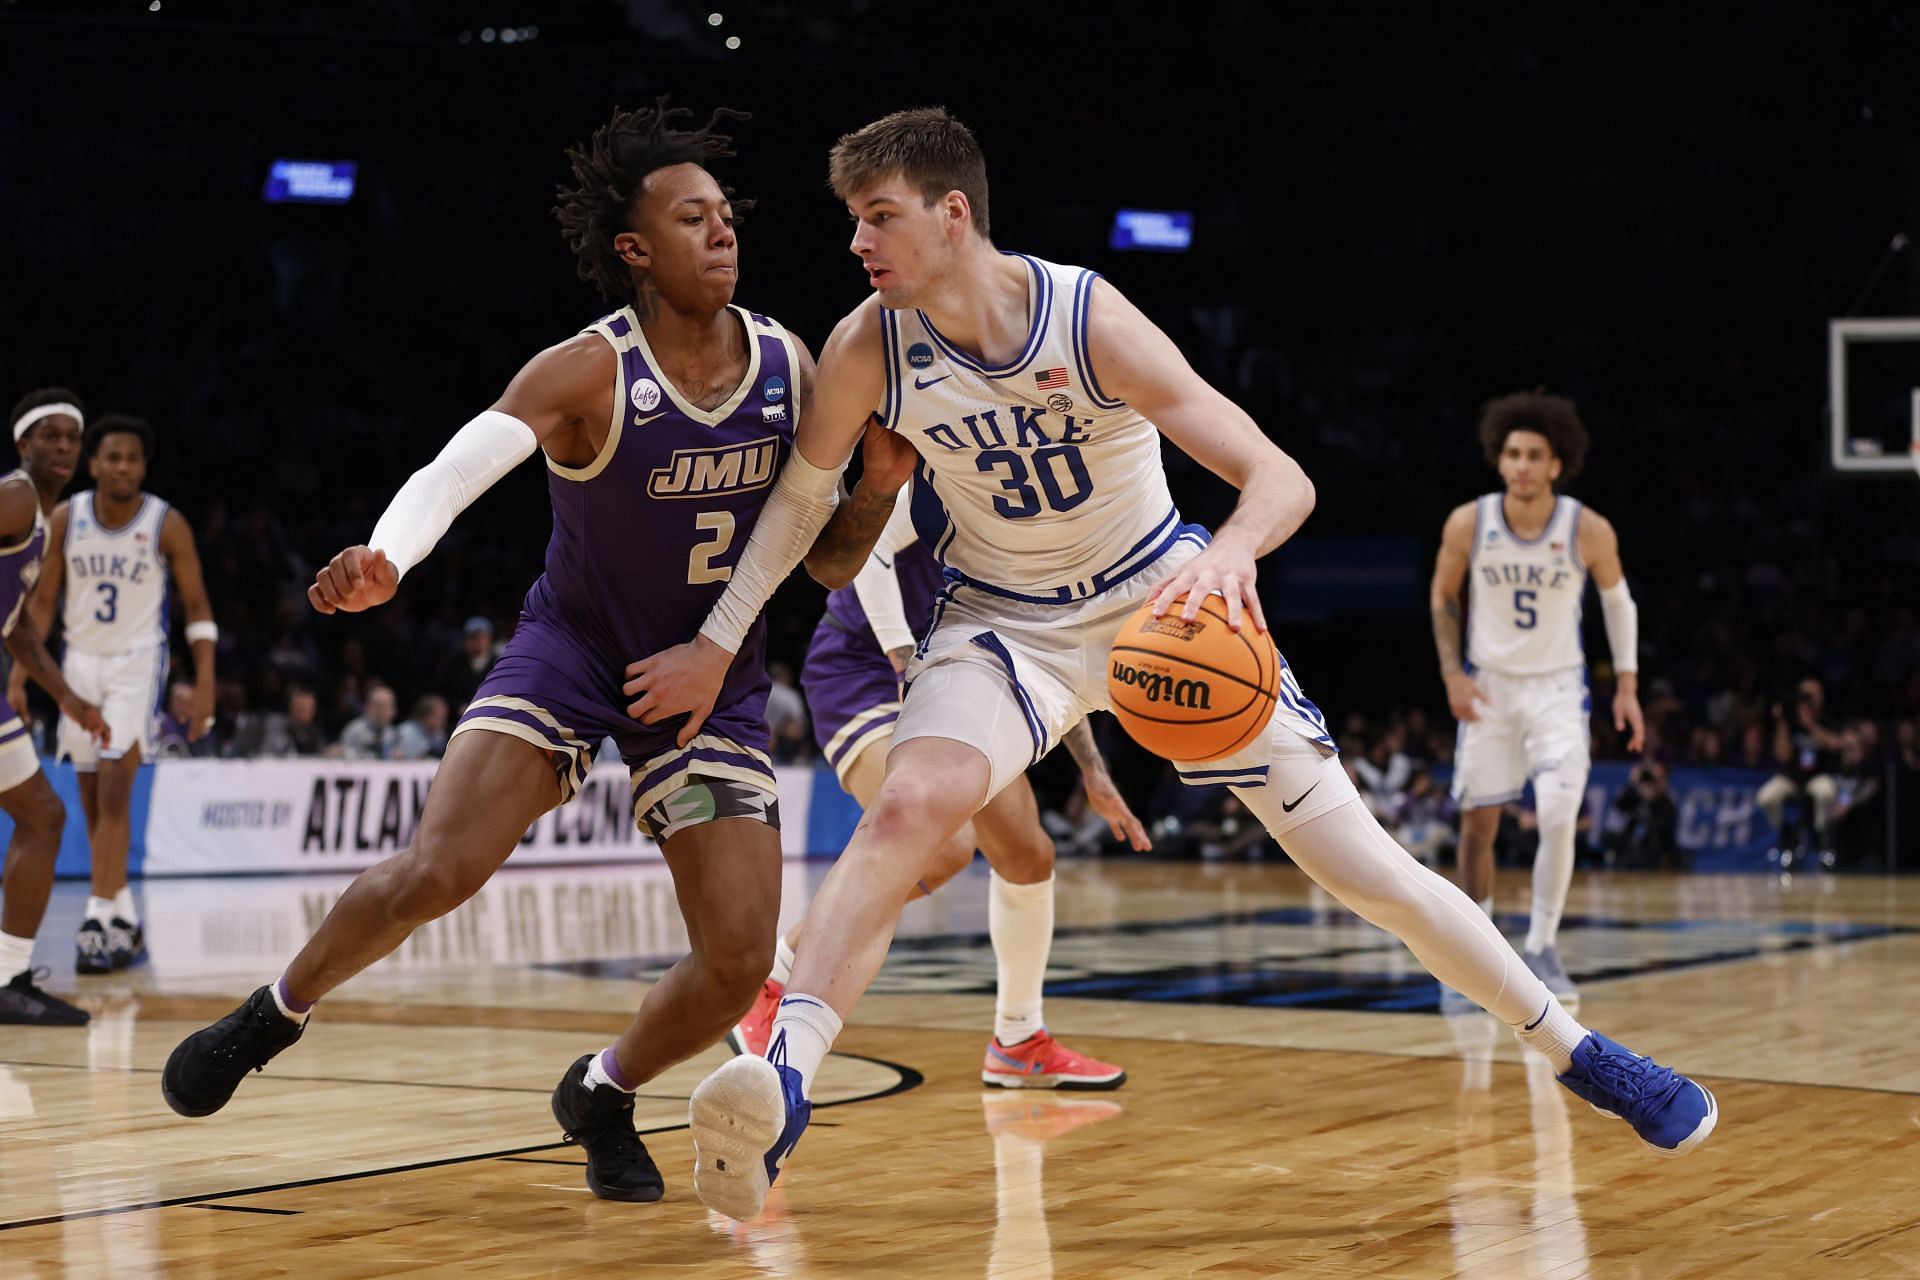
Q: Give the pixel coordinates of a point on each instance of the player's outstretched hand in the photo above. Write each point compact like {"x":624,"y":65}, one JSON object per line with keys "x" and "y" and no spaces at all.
{"x":683,"y":680}
{"x":886,"y":458}
{"x":1224,"y":569}
{"x":358,"y":578}
{"x":1105,"y":799}
{"x":88,"y":717}
{"x":1626,"y":712}
{"x":1464,"y":698}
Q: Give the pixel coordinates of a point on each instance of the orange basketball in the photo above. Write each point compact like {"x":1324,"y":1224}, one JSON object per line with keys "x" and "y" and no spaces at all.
{"x":1192,"y":690}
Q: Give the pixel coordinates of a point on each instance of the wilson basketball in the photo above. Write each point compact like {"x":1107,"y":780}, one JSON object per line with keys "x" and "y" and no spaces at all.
{"x":1192,"y":690}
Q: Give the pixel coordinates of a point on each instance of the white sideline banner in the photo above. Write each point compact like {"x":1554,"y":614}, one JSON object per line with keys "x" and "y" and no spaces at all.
{"x":221,"y":817}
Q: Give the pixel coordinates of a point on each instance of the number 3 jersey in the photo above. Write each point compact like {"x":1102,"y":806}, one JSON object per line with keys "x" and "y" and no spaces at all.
{"x":1523,"y":604}
{"x":1033,"y":483}
{"x":646,"y":535}
{"x":116,"y":579}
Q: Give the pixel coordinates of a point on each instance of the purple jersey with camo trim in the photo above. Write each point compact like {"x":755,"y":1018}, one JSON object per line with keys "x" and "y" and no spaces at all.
{"x":20,"y":563}
{"x":646,"y":535}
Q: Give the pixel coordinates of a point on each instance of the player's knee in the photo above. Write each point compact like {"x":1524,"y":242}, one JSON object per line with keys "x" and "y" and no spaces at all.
{"x":43,"y":818}
{"x":910,"y":808}
{"x":1029,"y":860}
{"x":425,"y":888}
{"x":734,"y":969}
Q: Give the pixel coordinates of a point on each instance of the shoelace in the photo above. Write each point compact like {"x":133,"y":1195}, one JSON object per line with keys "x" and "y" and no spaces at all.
{"x":1640,"y":1084}
{"x":246,"y":1045}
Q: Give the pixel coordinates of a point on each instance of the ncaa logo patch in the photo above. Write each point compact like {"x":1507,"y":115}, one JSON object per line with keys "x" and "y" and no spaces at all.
{"x":775,"y":389}
{"x":919,"y":355}
{"x":646,"y":394}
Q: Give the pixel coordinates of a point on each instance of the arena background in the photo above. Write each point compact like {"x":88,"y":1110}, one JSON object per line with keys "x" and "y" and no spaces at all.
{"x":1397,"y":214}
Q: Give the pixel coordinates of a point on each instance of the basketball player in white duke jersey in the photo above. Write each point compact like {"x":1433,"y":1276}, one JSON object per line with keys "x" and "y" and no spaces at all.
{"x":1520,"y":692}
{"x":1036,"y":396}
{"x":110,"y":552}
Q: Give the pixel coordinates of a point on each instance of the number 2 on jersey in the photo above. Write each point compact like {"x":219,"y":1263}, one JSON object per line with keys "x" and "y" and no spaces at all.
{"x":718,"y":525}
{"x":1015,"y":482}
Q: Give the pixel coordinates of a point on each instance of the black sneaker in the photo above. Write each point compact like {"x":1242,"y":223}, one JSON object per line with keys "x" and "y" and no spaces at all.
{"x":601,"y":1121}
{"x":94,"y":951}
{"x":206,"y":1067}
{"x":23,"y":1001}
{"x":126,"y":943}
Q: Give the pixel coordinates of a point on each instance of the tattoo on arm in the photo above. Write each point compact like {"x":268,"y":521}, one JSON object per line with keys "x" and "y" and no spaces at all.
{"x":1086,"y":752}
{"x":1446,"y":635}
{"x":851,"y":532}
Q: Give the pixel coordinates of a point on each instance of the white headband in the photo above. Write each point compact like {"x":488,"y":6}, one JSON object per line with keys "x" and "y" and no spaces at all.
{"x":31,"y":416}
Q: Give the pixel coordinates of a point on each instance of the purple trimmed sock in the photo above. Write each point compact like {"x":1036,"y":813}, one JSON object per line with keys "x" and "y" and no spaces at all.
{"x":287,"y":1001}
{"x":610,"y":1065}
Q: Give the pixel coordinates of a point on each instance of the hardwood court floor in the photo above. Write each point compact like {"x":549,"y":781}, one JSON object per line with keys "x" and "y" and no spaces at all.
{"x":1292,"y":1108}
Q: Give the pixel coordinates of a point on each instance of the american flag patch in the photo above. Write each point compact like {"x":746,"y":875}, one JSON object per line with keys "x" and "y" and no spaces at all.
{"x":1051,"y":379}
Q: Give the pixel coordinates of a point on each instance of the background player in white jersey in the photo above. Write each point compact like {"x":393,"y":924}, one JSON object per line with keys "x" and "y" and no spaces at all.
{"x":1037,"y":397}
{"x":25,"y":794}
{"x":111,"y":550}
{"x":859,"y":651}
{"x":1520,"y":691}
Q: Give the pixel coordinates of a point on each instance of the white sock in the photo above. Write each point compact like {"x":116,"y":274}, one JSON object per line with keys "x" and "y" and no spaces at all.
{"x":1020,"y":922}
{"x":1553,"y":1034}
{"x":16,"y":957}
{"x":782,"y":961}
{"x":803,"y":1032}
{"x":287,"y":1011}
{"x":1552,"y":877}
{"x":123,"y":906}
{"x":598,"y":1073}
{"x":100,"y":909}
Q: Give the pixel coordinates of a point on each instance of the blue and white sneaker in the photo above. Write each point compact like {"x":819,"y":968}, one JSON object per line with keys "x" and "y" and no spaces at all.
{"x":1671,"y":1113}
{"x":746,"y":1118}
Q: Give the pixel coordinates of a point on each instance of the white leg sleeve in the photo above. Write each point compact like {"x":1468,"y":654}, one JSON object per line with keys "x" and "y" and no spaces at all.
{"x":1557,"y":795}
{"x":1348,"y":854}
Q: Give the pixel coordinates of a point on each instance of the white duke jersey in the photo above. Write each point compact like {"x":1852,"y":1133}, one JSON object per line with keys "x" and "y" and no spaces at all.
{"x":116,"y":579}
{"x":1523,"y":606}
{"x":1033,"y":483}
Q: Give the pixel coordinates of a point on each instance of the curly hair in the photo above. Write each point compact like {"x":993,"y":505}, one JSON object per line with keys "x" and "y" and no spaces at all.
{"x":1554,"y":417}
{"x":120,"y":424}
{"x":929,"y":148}
{"x":610,"y":169}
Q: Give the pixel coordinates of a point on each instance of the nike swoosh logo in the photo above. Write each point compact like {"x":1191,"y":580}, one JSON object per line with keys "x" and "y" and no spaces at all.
{"x":921,"y":384}
{"x":1542,"y":1018}
{"x":1289,"y":808}
{"x":638,"y":421}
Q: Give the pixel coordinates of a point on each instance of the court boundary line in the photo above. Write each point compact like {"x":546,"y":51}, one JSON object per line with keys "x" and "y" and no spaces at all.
{"x":909,"y":1079}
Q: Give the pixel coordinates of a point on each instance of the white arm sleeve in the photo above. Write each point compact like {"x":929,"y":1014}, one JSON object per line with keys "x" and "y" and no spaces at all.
{"x":878,"y":586}
{"x":478,"y":455}
{"x":801,"y":501}
{"x":1623,"y":626}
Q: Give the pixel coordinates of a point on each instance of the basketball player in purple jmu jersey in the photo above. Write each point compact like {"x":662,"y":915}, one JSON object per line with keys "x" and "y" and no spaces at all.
{"x":663,"y":426}
{"x":1038,"y":398}
{"x":25,"y":794}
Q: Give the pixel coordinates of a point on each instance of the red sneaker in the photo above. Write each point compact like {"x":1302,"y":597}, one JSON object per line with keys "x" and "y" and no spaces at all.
{"x":1041,"y":1062}
{"x":751,"y":1033}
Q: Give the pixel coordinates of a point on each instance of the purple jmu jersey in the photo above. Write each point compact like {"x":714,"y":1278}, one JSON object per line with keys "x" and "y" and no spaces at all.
{"x":20,"y":564}
{"x":646,"y":535}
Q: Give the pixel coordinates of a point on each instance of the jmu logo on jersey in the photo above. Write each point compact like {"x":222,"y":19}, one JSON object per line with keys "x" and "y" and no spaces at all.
{"x":700,"y":473}
{"x":1158,"y":686}
{"x":1537,"y":576}
{"x":105,"y":565}
{"x":1022,"y":427}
